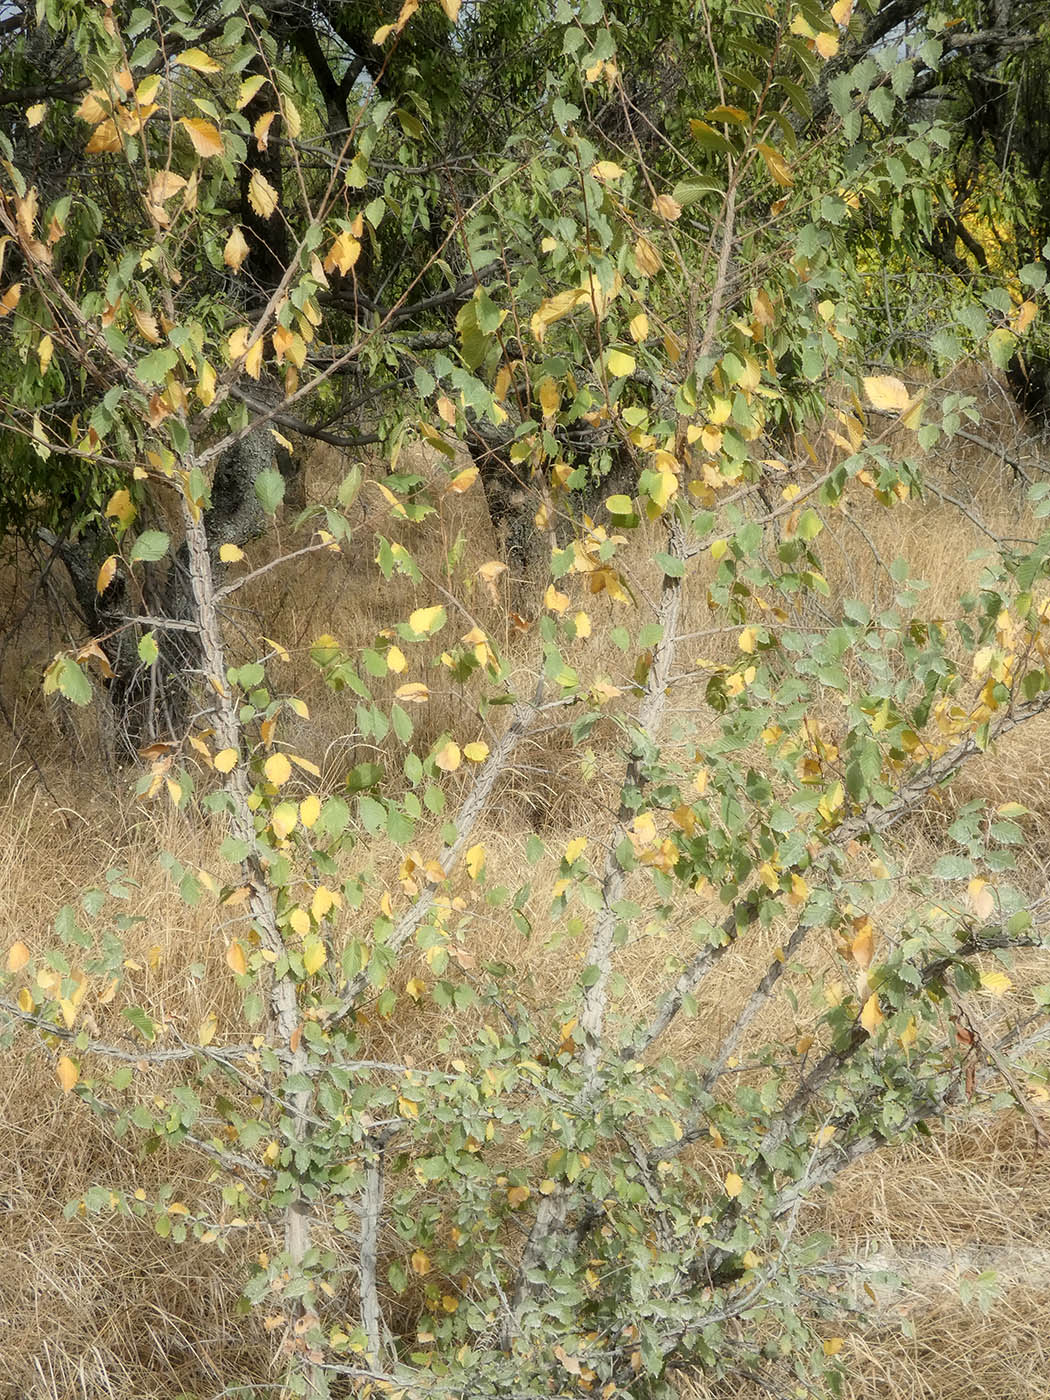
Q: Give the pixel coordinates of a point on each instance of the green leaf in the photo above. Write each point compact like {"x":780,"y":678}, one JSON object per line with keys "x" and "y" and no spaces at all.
{"x":147,"y":649}
{"x":150,"y":546}
{"x":269,"y":488}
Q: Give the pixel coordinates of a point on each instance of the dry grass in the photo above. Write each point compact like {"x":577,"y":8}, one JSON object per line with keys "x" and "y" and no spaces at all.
{"x":98,"y":1306}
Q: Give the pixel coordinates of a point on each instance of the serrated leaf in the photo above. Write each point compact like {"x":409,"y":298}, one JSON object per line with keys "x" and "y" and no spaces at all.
{"x":887,"y":393}
{"x":205,"y":136}
{"x":198,"y":60}
{"x":261,"y":195}
{"x":150,"y":546}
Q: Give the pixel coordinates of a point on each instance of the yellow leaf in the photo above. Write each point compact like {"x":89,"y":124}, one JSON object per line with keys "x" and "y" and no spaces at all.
{"x":553,"y":309}
{"x":475,"y":861}
{"x":67,"y":1072}
{"x":420,"y":1263}
{"x":206,"y":384}
{"x":304,"y":763}
{"x":248,"y":89}
{"x":606,"y":170}
{"x":841,"y":11}
{"x":667,"y":207}
{"x":253,"y":358}
{"x":776,"y":165}
{"x":833,"y":1346}
{"x":44,"y":351}
{"x":554,"y":600}
{"x":734,"y":1184}
{"x":198,"y":60}
{"x":261,"y":195}
{"x":284,"y":819}
{"x":887,"y":393}
{"x":1026,"y":314}
{"x":863,"y":946}
{"x":476,"y":752}
{"x":236,"y":249}
{"x":231,"y":553}
{"x":277,"y":769}
{"x":746,"y":640}
{"x":575,"y":849}
{"x":10,"y":298}
{"x":106,"y":574}
{"x":314,"y":956}
{"x":412,"y":693}
{"x":35,"y":114}
{"x":462,"y":481}
{"x":207,"y":1028}
{"x":426,"y":621}
{"x":448,"y":756}
{"x":827,"y":45}
{"x":550,"y":397}
{"x":324,"y":900}
{"x":451,"y":8}
{"x":415,"y":987}
{"x":871,"y":1017}
{"x":823,"y":1135}
{"x":997,"y":983}
{"x":261,"y":129}
{"x":343,"y":254}
{"x":517,"y":1196}
{"x":619,"y":363}
{"x":226,"y":760}
{"x":648,"y":259}
{"x":17,"y":956}
{"x":206,"y":137}
{"x":639,"y":327}
{"x":982,"y":898}
{"x":236,"y":960}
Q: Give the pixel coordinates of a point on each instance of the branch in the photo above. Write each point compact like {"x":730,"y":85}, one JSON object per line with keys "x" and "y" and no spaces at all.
{"x":521,"y":721}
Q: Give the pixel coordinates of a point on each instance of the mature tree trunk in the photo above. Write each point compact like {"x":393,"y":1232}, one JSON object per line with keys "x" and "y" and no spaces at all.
{"x":147,"y":703}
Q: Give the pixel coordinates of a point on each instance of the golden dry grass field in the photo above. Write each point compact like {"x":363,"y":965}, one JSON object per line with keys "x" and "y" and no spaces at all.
{"x":97,"y":1306}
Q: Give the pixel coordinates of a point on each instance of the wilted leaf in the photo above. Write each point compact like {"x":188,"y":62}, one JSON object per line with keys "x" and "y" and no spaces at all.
{"x":106,"y":574}
{"x":236,"y":959}
{"x":17,"y":957}
{"x":236,"y":249}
